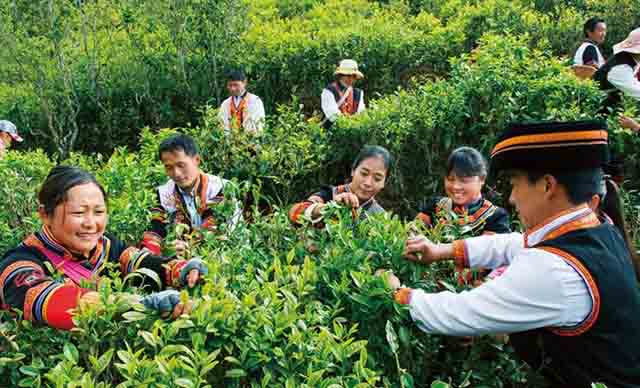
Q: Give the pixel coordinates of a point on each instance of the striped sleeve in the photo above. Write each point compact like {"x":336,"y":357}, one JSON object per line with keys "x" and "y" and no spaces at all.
{"x":167,"y":269}
{"x":324,"y":195}
{"x":26,"y":286}
{"x":152,"y":238}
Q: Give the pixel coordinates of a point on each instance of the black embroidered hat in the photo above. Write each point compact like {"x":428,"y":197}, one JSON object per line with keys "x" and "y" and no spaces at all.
{"x":552,"y":145}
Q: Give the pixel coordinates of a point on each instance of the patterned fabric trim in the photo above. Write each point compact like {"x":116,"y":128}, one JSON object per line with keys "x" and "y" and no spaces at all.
{"x":153,"y":242}
{"x":460,"y":254}
{"x":591,"y":319}
{"x":237,"y":113}
{"x":403,"y":296}
{"x":172,"y":274}
{"x":14,"y":270}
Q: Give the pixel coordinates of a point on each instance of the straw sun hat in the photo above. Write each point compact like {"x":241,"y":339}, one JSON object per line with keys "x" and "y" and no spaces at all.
{"x":349,"y":67}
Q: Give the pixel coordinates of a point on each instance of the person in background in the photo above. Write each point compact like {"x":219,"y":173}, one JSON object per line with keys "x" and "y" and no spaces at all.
{"x":242,"y":109}
{"x":466,"y":174}
{"x":74,"y":213}
{"x":595,"y":32}
{"x":340,"y":97}
{"x":188,"y":197}
{"x":8,"y":134}
{"x":369,"y":173}
{"x":619,"y":72}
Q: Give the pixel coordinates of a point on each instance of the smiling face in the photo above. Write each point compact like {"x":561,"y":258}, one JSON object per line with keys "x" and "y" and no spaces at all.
{"x":79,"y":221}
{"x":368,"y":178}
{"x":181,"y":168}
{"x":463,"y":191}
{"x":598,"y":34}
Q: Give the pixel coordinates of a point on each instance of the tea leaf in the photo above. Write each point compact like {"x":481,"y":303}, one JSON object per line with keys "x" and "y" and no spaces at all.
{"x":235,"y":373}
{"x":392,"y":338}
{"x":70,"y":352}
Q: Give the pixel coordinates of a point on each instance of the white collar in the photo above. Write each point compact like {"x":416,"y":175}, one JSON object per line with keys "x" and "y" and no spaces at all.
{"x":538,"y":233}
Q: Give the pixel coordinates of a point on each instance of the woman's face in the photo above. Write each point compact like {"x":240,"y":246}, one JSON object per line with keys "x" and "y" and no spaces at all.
{"x":463,"y":190}
{"x":79,"y":222}
{"x":368,"y":178}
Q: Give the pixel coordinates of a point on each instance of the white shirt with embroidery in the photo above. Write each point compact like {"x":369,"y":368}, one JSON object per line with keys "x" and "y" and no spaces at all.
{"x":538,"y":289}
{"x":330,"y":105}
{"x":254,"y":117}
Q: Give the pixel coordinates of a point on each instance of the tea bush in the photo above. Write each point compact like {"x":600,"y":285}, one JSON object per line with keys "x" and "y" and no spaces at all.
{"x":282,"y":306}
{"x":108,"y":69}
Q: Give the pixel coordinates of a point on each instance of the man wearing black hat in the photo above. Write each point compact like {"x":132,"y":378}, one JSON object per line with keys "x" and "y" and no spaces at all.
{"x":569,"y":297}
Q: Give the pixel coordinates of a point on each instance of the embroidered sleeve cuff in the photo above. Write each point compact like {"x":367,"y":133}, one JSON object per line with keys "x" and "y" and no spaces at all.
{"x":403,"y":296}
{"x":297,"y":211}
{"x":131,"y":259}
{"x":153,"y":242}
{"x":424,"y":218}
{"x":173,"y":271}
{"x":53,"y":303}
{"x":209,"y":223}
{"x":460,"y":254}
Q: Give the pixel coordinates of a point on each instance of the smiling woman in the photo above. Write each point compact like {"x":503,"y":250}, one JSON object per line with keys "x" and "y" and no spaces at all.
{"x":369,"y":173}
{"x":464,"y":203}
{"x":73,"y":210}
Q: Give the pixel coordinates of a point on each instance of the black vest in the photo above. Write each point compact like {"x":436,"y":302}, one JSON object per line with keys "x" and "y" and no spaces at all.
{"x":609,"y":352}
{"x":600,"y":76}
{"x":357,"y":95}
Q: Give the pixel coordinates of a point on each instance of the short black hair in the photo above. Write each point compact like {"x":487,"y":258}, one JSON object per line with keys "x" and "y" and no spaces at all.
{"x":581,"y":185}
{"x":179,"y":142}
{"x":60,"y":180}
{"x":374,"y":151}
{"x":236,"y":75}
{"x":467,"y":162}
{"x":591,"y":24}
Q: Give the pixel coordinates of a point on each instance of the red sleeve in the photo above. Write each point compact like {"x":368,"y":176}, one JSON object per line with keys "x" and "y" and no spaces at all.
{"x":25,"y":286}
{"x":298,"y":210}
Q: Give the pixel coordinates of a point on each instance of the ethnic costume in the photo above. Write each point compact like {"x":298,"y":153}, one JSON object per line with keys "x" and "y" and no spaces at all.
{"x":246,"y":111}
{"x":337,"y":99}
{"x":27,"y":284}
{"x":589,"y":54}
{"x":479,"y":217}
{"x":561,"y":294}
{"x":194,"y":209}
{"x":325,"y":195}
{"x":620,"y":73}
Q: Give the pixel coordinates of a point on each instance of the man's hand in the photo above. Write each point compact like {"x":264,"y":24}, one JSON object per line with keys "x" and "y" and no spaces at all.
{"x":181,"y":309}
{"x":390,"y":279}
{"x":348,"y":199}
{"x":422,"y":250}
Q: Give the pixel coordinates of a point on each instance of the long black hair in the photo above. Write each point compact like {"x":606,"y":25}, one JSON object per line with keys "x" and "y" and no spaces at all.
{"x":60,"y":180}
{"x":613,"y":206}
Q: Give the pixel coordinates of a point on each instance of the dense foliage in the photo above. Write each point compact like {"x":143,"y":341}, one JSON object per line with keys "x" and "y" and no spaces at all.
{"x":86,"y":75}
{"x":281,"y":306}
